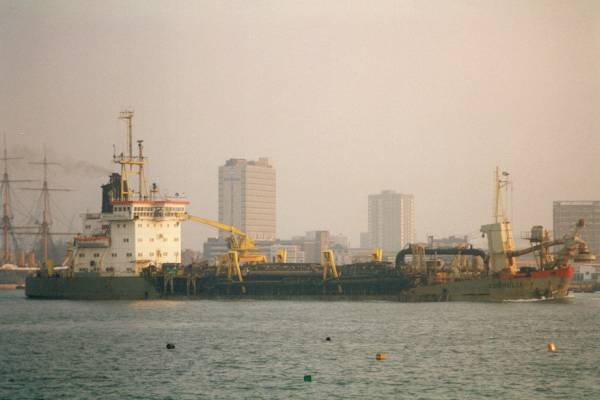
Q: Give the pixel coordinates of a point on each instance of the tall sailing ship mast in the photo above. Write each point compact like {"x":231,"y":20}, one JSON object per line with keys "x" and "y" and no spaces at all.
{"x":44,"y":226}
{"x":10,"y":244}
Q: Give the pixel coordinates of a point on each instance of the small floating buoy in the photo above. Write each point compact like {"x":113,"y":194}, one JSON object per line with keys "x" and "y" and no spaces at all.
{"x":551,"y":347}
{"x":170,"y":346}
{"x":307,"y":378}
{"x":380,"y":356}
{"x":328,"y":339}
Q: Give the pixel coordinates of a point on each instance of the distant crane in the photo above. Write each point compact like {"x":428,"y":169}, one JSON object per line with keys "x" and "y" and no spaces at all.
{"x":281,"y":256}
{"x":377,"y":254}
{"x":239,"y":241}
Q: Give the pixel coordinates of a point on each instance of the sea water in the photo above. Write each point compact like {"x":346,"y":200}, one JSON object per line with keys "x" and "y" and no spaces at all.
{"x":251,"y":349}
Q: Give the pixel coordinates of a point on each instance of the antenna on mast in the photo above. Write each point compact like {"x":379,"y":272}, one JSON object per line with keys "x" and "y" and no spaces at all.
{"x":128,"y":116}
{"x":127,"y":191}
{"x":501,"y":181}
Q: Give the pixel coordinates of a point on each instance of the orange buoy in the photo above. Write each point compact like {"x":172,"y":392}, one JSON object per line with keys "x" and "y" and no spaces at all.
{"x":551,"y":347}
{"x":380,"y":356}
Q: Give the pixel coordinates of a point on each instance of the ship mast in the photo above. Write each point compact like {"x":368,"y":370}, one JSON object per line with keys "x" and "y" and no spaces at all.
{"x":130,"y":161}
{"x":7,"y":227}
{"x":501,"y":181}
{"x":44,"y":227}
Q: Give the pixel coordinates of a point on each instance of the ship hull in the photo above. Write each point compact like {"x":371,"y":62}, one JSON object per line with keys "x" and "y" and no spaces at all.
{"x":273,"y":285}
{"x":90,"y":288}
{"x":552,"y":284}
{"x":397,"y":287}
{"x":139,"y":288}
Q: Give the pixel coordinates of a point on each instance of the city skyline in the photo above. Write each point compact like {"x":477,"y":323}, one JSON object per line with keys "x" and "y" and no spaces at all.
{"x":88,"y":169}
{"x":341,"y":111}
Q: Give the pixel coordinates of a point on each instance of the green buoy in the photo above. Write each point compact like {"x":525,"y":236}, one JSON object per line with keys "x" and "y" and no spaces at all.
{"x":307,"y":378}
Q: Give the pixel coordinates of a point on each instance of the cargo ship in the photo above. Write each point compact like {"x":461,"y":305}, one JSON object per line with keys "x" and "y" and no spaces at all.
{"x":131,"y":250}
{"x":494,"y":275}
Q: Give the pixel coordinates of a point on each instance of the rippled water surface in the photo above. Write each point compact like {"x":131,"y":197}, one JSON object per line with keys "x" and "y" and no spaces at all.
{"x":262,"y":349}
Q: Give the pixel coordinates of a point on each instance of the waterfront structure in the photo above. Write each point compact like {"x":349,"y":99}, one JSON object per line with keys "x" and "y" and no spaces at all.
{"x":247,"y":197}
{"x":566,"y":213}
{"x":587,"y":273}
{"x":391,"y":220}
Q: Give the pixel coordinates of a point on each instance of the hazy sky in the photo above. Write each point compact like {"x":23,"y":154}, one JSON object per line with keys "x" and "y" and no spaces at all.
{"x":346,"y":97}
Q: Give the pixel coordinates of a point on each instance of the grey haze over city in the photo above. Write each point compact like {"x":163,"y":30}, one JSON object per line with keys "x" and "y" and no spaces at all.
{"x":346,"y":99}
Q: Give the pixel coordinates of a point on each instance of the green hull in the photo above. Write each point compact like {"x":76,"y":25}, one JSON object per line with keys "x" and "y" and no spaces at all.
{"x":137,"y":288}
{"x":490,"y":289}
{"x":90,"y":288}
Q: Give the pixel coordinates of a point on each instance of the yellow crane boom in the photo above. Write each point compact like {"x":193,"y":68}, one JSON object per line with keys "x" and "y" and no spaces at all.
{"x":238,"y":241}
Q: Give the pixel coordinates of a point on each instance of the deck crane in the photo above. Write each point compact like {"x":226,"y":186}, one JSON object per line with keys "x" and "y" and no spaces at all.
{"x":239,"y":241}
{"x":377,"y":254}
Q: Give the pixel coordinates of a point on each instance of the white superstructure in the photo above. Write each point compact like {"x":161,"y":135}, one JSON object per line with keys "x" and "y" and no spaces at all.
{"x":135,"y":235}
{"x":135,"y":228}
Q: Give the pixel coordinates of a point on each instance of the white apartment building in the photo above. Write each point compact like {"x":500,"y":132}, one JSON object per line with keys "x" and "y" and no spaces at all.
{"x":391,"y":220}
{"x":247,"y":197}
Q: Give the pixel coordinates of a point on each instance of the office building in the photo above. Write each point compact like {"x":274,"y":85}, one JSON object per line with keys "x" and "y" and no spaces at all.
{"x":247,"y":197}
{"x":391,"y":220}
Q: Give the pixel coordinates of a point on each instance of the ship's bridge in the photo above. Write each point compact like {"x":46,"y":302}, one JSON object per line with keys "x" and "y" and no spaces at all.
{"x":149,"y":209}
